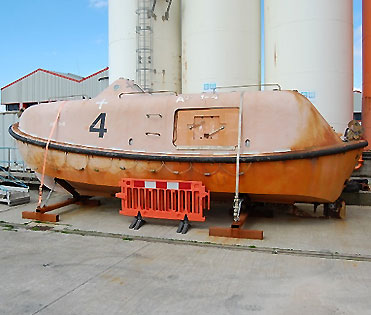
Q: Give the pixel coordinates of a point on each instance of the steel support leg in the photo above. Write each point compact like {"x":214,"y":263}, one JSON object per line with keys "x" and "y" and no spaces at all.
{"x":184,"y":226}
{"x":138,"y":222}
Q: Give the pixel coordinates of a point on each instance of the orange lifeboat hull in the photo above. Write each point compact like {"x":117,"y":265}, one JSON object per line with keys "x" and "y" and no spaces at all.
{"x":288,"y":152}
{"x":320,"y":177}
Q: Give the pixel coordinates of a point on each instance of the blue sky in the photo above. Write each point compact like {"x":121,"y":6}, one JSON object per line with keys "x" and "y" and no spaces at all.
{"x":58,"y":35}
{"x":72,"y":36}
{"x":357,"y":22}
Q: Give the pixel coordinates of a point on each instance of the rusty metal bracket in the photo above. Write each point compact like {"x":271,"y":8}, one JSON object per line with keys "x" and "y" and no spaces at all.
{"x":236,"y":230}
{"x":152,"y":12}
{"x":165,"y":17}
{"x":41,"y":214}
{"x":68,"y":187}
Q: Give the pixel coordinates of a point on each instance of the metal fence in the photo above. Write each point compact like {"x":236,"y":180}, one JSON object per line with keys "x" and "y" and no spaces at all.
{"x":10,"y":157}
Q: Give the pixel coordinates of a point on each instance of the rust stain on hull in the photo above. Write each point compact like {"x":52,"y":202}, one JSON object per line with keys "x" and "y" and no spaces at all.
{"x":306,"y":180}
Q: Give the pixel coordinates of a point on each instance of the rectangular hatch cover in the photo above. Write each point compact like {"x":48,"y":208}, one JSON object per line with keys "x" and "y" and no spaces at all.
{"x":208,"y":129}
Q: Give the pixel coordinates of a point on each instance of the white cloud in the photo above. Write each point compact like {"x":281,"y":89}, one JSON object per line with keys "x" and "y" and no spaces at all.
{"x":98,"y":3}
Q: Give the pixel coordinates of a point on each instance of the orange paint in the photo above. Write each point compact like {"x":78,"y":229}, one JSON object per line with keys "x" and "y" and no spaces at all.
{"x":288,"y":153}
{"x":366,"y":101}
{"x":304,"y":180}
{"x":360,"y":164}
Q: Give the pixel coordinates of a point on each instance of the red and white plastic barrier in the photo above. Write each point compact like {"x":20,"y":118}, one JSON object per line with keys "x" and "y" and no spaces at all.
{"x":164,"y":199}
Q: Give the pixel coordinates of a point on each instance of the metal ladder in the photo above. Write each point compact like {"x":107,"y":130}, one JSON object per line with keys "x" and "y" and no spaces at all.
{"x":144,"y":50}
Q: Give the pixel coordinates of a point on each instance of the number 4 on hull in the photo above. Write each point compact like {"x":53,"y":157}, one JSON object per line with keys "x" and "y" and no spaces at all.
{"x":102,"y":119}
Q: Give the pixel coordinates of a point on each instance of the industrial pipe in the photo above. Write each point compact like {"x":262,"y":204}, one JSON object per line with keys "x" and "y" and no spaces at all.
{"x":366,"y":98}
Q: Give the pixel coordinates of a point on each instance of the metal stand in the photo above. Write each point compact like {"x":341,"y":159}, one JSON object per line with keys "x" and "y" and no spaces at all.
{"x":40,"y":212}
{"x":336,"y":209}
{"x":184,"y":226}
{"x":239,"y":219}
{"x":138,"y":222}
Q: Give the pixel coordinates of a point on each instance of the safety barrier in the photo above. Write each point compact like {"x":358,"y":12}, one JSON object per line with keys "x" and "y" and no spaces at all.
{"x":164,"y":199}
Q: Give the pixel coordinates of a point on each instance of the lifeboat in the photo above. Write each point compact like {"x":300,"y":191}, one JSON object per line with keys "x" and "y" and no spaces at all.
{"x":285,"y":149}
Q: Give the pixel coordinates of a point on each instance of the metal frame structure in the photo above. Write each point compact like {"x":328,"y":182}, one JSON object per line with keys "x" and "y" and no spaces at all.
{"x":144,"y":49}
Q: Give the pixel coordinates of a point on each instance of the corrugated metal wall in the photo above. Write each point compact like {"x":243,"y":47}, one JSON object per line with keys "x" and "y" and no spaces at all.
{"x":92,"y":86}
{"x":42,"y":86}
{"x":6,"y":141}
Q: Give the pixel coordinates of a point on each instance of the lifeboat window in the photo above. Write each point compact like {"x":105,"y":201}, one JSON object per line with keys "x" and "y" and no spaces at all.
{"x":130,"y":141}
{"x":247,"y":143}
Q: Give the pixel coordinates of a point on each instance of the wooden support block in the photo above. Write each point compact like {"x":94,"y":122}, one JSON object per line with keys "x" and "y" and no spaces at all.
{"x":39,"y":216}
{"x":236,"y":233}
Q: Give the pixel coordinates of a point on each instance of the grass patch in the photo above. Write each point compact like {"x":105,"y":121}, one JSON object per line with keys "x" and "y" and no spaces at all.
{"x":74,"y":231}
{"x":66,"y":232}
{"x":9,"y":227}
{"x":41,"y":228}
{"x":127,"y":239}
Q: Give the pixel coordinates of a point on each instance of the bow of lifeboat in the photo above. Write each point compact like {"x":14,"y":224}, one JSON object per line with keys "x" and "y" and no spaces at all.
{"x":289,"y":153}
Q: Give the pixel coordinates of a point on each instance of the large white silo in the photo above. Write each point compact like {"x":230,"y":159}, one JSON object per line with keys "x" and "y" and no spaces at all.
{"x":166,"y":47}
{"x":144,"y":43}
{"x":220,"y":43}
{"x":122,"y":39}
{"x":309,"y":48}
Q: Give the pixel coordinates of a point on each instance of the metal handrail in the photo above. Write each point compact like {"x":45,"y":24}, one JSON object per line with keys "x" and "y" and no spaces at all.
{"x":150,"y":93}
{"x":61,"y":98}
{"x":247,"y":86}
{"x":163,"y":91}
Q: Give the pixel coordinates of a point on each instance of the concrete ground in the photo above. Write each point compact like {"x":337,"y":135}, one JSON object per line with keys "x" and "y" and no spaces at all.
{"x":92,"y":263}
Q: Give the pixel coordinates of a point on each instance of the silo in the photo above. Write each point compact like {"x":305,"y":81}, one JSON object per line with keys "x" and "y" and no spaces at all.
{"x":122,"y":38}
{"x":309,"y":48}
{"x":220,"y":43}
{"x":366,"y":56}
{"x":166,"y":47}
{"x":144,"y":43}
